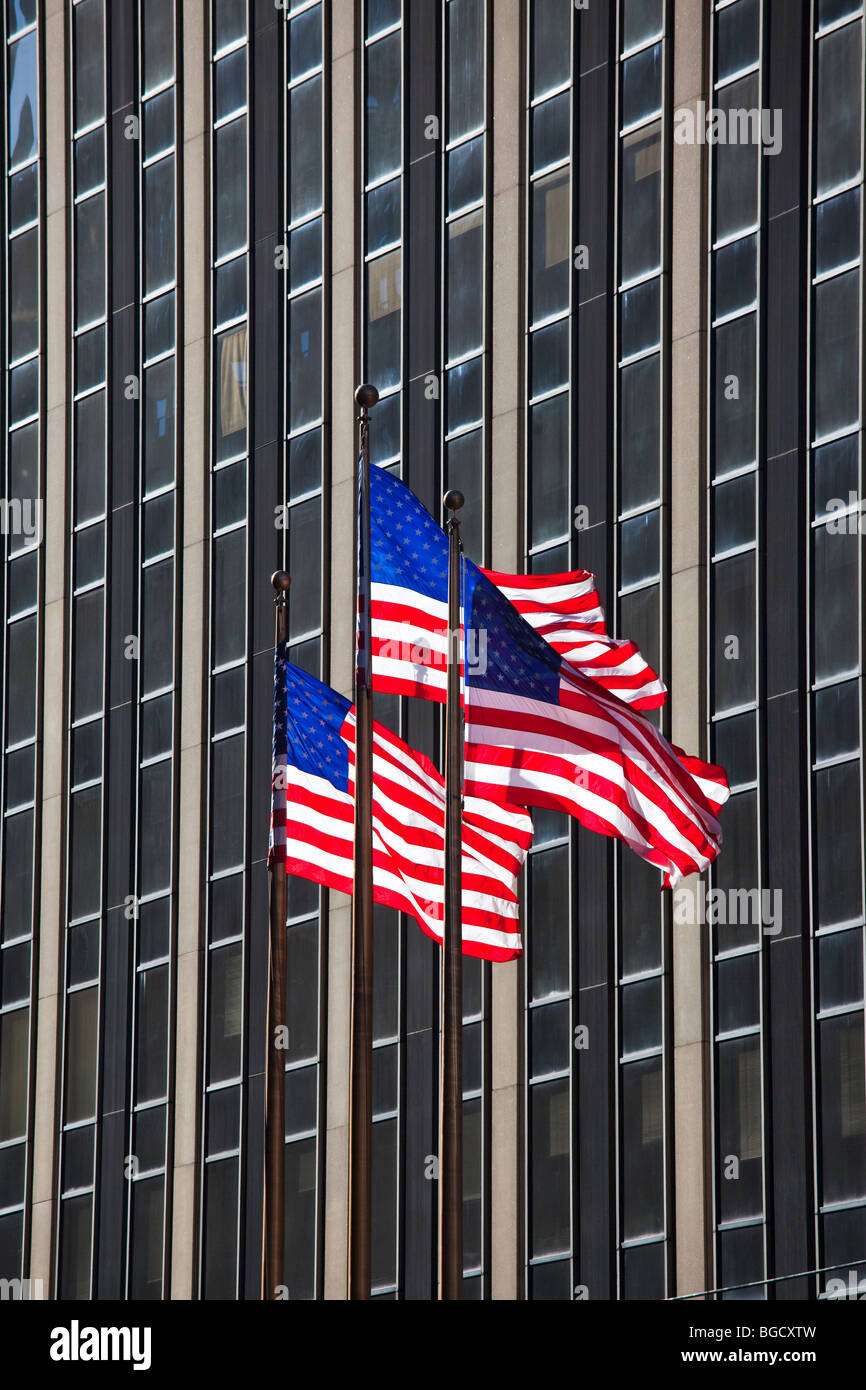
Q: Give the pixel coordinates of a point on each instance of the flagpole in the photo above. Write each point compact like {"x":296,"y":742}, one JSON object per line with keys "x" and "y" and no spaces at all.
{"x":451,"y":1031}
{"x":275,"y":1121}
{"x":361,"y":1061}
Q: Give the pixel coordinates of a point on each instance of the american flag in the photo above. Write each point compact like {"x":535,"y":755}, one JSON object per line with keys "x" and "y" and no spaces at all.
{"x":567,"y":611}
{"x":312,"y":819}
{"x":539,"y":732}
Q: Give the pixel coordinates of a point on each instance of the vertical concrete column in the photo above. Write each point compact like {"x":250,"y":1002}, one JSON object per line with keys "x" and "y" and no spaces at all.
{"x":507,"y":421}
{"x":342,"y":207}
{"x":51,"y":917}
{"x":692,"y":1188}
{"x":193,"y":179}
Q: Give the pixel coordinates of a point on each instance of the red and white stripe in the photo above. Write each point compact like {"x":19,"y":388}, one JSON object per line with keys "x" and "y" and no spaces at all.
{"x":597,"y":760}
{"x":317,"y":837}
{"x":593,"y":756}
{"x":566,"y":610}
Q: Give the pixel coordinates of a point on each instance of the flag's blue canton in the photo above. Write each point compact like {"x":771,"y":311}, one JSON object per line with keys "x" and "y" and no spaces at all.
{"x":411,"y":550}
{"x":408,"y":547}
{"x":519,"y":661}
{"x":309,"y":725}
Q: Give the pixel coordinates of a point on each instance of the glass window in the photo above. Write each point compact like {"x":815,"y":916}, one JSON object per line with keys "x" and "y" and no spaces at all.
{"x":305,"y":148}
{"x":384,"y":302}
{"x":89,"y":80}
{"x":305,"y":42}
{"x":737,"y":160}
{"x":159,"y":124}
{"x":225,"y":1012}
{"x":17,"y":905}
{"x":220,"y":1235}
{"x":734,"y":514}
{"x":640,"y":433}
{"x":158,"y":34}
{"x":465,"y":273}
{"x":155,"y":829}
{"x":305,"y":359}
{"x":549,"y":358}
{"x":737,"y":38}
{"x":735,"y":282}
{"x":159,"y":411}
{"x":639,"y":318}
{"x":737,"y":1001}
{"x":641,"y":20}
{"x":465,"y":67}
{"x":146,"y":1239}
{"x":838,"y":841}
{"x":842,"y":1108}
{"x":840,"y":969}
{"x":836,"y":353}
{"x":551,"y":45}
{"x":641,"y":927}
{"x":837,"y":229}
{"x":230,"y":391}
{"x":642,"y":85}
{"x":89,"y":457}
{"x":734,"y":392}
{"x":463,"y":395}
{"x":835,"y":601}
{"x":639,"y":549}
{"x":551,"y":245}
{"x":549,"y":932}
{"x":305,"y":562}
{"x":151,"y":1044}
{"x":230,"y":187}
{"x":551,"y":134}
{"x":21,"y":690}
{"x":465,"y":177}
{"x":734,"y":632}
{"x":85,"y":891}
{"x":640,"y":238}
{"x":229,"y":22}
{"x":384,"y":1222}
{"x":840,"y":101}
{"x":23,"y":294}
{"x":14,"y":1073}
{"x":641,"y":1016}
{"x":229,"y":601}
{"x":23,"y":77}
{"x":305,"y":254}
{"x":837,"y":720}
{"x":464,"y":471}
{"x":159,"y":225}
{"x":550,"y":1168}
{"x":642,"y":1148}
{"x":23,"y":197}
{"x":90,"y":260}
{"x":82,"y":1027}
{"x":227,"y":803}
{"x":384,"y":149}
{"x":741,"y":1261}
{"x":740,"y":1128}
{"x":230,"y":84}
{"x":548,"y":500}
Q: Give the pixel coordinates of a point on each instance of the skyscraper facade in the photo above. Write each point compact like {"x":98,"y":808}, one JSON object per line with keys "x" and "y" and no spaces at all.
{"x":603,"y":262}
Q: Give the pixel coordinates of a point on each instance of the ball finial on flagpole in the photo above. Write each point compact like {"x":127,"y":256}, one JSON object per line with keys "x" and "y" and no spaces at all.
{"x":281,"y":582}
{"x":366,"y":396}
{"x":453,"y":500}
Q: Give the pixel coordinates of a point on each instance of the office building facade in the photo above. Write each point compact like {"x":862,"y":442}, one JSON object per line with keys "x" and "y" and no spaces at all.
{"x":603,"y":262}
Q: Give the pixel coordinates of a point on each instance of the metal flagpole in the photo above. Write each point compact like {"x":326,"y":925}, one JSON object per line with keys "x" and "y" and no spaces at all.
{"x":275,"y":1125}
{"x":361,"y":1063}
{"x":451,"y":1030}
